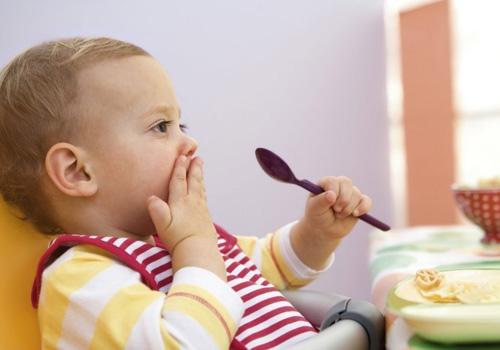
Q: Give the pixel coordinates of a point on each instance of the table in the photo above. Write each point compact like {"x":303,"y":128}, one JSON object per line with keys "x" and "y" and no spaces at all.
{"x":398,"y":254}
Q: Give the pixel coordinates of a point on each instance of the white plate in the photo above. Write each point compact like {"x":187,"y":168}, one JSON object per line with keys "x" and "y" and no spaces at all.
{"x":444,"y":322}
{"x":457,"y":323}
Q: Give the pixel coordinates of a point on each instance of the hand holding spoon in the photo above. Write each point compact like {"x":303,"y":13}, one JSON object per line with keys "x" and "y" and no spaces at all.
{"x":277,"y":168}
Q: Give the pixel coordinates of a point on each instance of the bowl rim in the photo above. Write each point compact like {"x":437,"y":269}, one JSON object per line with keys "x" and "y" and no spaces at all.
{"x":462,"y":188}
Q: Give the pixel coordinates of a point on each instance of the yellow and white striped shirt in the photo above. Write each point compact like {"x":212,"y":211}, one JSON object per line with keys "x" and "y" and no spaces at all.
{"x":91,"y":300}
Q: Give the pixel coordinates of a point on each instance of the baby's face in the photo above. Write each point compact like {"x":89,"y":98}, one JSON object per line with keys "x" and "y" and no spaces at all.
{"x":132,"y":135}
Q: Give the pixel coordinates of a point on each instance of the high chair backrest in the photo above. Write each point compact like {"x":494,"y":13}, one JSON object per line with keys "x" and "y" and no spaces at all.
{"x":21,"y":245}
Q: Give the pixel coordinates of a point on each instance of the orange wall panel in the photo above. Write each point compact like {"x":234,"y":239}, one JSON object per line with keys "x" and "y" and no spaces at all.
{"x":428,"y":113}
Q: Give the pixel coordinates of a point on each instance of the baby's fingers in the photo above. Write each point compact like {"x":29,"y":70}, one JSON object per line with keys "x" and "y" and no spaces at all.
{"x":321,"y":203}
{"x":350,"y":200}
{"x":195,"y":177}
{"x":345,"y":190}
{"x":160,"y":214}
{"x":178,"y":185}
{"x":364,"y":206}
{"x":353,"y":203}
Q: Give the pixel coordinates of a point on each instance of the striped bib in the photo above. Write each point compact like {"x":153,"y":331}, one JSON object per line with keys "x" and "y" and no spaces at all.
{"x":269,"y":320}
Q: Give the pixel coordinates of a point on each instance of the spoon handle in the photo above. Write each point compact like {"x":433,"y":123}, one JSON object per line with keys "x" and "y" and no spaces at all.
{"x":315,"y":189}
{"x":308,"y":185}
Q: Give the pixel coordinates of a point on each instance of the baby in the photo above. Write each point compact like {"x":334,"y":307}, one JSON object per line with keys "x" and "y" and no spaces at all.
{"x":92,"y":149}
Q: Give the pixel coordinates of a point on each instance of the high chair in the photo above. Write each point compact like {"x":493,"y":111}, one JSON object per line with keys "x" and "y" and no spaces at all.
{"x":346,"y":324}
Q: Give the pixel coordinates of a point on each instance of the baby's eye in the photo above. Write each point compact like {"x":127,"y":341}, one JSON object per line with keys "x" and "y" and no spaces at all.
{"x":183,"y":127}
{"x":162,"y":126}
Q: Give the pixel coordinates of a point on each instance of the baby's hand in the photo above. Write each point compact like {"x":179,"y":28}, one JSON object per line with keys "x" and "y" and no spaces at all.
{"x":186,"y":214}
{"x":333,"y":213}
{"x":184,"y":224}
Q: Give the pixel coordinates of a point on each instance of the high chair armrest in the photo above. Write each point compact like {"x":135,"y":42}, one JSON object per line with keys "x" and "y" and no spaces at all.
{"x":344,"y":323}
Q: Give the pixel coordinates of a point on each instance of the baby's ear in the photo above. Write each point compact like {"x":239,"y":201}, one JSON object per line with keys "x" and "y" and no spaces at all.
{"x":69,"y":170}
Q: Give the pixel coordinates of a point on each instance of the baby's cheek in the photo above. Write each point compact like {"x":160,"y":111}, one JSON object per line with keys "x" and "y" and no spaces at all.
{"x":156,"y":174}
{"x":162,"y":183}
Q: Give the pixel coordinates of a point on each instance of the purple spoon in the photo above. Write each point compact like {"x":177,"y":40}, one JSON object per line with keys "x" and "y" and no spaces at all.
{"x":277,"y":168}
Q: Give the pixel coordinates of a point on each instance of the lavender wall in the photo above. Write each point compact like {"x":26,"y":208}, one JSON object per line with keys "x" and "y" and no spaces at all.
{"x":305,"y":79}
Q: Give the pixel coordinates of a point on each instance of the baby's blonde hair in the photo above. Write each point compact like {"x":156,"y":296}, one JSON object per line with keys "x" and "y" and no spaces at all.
{"x":38,"y":91}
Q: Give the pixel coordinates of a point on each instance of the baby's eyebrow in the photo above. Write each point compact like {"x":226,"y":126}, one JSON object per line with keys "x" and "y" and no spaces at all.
{"x":164,"y":109}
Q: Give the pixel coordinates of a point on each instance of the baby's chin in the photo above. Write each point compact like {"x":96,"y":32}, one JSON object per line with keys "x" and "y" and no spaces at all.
{"x":142,"y":228}
{"x":147,"y":230}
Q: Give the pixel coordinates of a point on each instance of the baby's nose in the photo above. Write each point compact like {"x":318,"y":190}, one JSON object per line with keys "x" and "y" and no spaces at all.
{"x":190,"y":146}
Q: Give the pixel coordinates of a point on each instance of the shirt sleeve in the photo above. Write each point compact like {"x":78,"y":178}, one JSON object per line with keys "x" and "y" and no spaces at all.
{"x":89,"y":300}
{"x":277,"y":261}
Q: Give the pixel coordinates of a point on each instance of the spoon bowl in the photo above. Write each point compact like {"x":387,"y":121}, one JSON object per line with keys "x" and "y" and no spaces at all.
{"x":274,"y":166}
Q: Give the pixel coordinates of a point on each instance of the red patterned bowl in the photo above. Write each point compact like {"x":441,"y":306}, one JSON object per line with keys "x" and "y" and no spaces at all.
{"x":482,"y":207}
